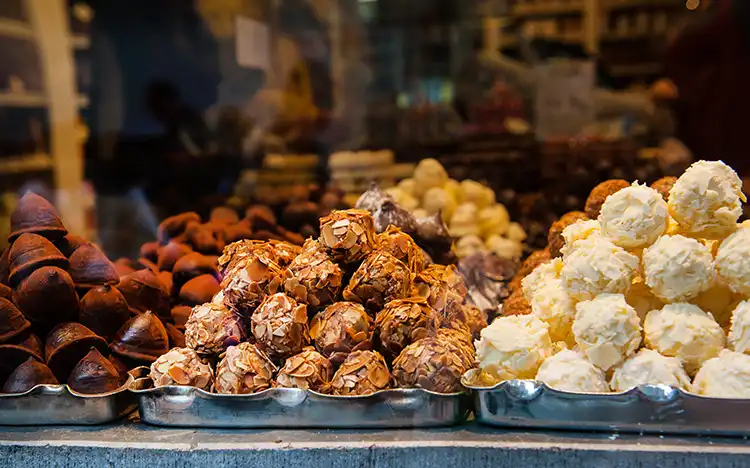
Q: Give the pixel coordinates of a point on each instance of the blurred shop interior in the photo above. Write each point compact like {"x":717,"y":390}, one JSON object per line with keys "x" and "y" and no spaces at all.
{"x":126,"y":112}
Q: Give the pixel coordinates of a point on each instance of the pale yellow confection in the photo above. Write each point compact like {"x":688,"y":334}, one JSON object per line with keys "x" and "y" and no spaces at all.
{"x":410,"y":187}
{"x":578,"y":231}
{"x":648,"y":367}
{"x":453,"y":188}
{"x":420,"y":213}
{"x":684,"y":331}
{"x":725,"y":376}
{"x":597,"y":266}
{"x":570,"y":371}
{"x":641,"y":298}
{"x":504,"y":247}
{"x":429,"y":173}
{"x":541,"y":275}
{"x":607,"y":330}
{"x":733,"y":261}
{"x":739,"y":332}
{"x":634,"y":217}
{"x":464,"y":221}
{"x":705,"y":200}
{"x":493,"y":221}
{"x":745,"y":223}
{"x":678,"y":268}
{"x":438,"y":200}
{"x":516,"y":232}
{"x":469,"y":245}
{"x":474,"y":192}
{"x":404,"y":199}
{"x":672,"y":227}
{"x":552,"y":304}
{"x":718,"y":300}
{"x":513,"y":347}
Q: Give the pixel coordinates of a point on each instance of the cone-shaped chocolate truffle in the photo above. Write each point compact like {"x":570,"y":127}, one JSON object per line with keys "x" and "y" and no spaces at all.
{"x":12,"y":321}
{"x":14,"y":354}
{"x":150,"y":250}
{"x":34,"y":214}
{"x":180,"y":315}
{"x":372,"y":198}
{"x":192,"y":265}
{"x":175,"y":225}
{"x":31,"y":251}
{"x":170,"y":253}
{"x":70,"y":244}
{"x":142,"y":339}
{"x":89,"y":267}
{"x":94,"y":374}
{"x":27,"y":376}
{"x":6,"y":292}
{"x":199,"y":290}
{"x":5,"y":266}
{"x":66,"y":344}
{"x":167,"y":280}
{"x":104,"y":310}
{"x":390,"y":214}
{"x":433,"y":236}
{"x":124,"y":267}
{"x":48,"y":296}
{"x":143,"y":291}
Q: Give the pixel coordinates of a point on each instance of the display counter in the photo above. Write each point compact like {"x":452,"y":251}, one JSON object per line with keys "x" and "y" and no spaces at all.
{"x":134,"y":444}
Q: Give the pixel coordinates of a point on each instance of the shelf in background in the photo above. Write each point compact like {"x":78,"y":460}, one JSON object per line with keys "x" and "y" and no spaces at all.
{"x":617,"y":37}
{"x":547,"y":9}
{"x":16,"y":29}
{"x":513,"y":41}
{"x":631,"y":4}
{"x":12,"y":99}
{"x":81,"y":41}
{"x":639,"y":69}
{"x":37,"y":162}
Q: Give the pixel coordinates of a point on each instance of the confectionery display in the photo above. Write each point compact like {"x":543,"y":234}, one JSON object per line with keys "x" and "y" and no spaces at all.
{"x":341,"y":316}
{"x":652,"y":291}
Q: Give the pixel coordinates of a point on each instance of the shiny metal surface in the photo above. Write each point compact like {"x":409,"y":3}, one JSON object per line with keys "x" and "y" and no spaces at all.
{"x":60,"y":405}
{"x":294,"y":408}
{"x":646,"y":409}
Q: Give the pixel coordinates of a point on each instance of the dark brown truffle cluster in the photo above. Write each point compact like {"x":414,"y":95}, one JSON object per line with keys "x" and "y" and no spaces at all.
{"x":342,"y":330}
{"x":555,"y":240}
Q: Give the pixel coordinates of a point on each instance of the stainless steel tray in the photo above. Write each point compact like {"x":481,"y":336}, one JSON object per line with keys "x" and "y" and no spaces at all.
{"x":646,"y":409}
{"x":294,"y":408}
{"x":46,"y":405}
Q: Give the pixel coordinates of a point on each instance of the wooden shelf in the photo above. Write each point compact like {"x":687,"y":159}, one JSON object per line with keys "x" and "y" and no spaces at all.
{"x":15,"y":29}
{"x":38,"y":162}
{"x":513,"y":41}
{"x":11,"y":99}
{"x":544,"y":9}
{"x":616,"y":37}
{"x":81,"y":41}
{"x":631,"y":4}
{"x":639,"y":69}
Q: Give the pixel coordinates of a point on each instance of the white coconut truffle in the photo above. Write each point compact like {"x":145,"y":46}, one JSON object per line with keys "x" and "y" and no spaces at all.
{"x":438,"y":200}
{"x":686,"y":332}
{"x":429,"y":173}
{"x":513,"y":347}
{"x":678,"y":268}
{"x":647,"y":367}
{"x":505,"y":248}
{"x":739,"y":332}
{"x":570,"y":371}
{"x":607,"y":330}
{"x":541,"y":275}
{"x":725,"y":376}
{"x":469,"y":245}
{"x":464,"y":221}
{"x":705,"y":200}
{"x":640,"y":298}
{"x":516,"y":232}
{"x":733,"y":261}
{"x":493,"y":221}
{"x":578,"y":231}
{"x":476,"y":193}
{"x":634,"y":217}
{"x":552,"y":304}
{"x":597,"y":266}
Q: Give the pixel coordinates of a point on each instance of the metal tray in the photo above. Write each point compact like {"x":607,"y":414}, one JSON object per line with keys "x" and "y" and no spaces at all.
{"x":294,"y":408}
{"x":46,"y":405}
{"x":645,"y":409}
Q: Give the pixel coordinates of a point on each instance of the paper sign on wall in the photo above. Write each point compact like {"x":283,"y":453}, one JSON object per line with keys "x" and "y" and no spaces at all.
{"x":252,"y":43}
{"x":564,"y":103}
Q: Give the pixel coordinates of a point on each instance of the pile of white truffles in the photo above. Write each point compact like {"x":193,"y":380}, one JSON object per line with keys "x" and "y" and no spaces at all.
{"x":474,"y":218}
{"x":656,"y":290}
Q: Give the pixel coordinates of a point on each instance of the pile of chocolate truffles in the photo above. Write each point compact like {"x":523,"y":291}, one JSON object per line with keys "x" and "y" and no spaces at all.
{"x":351,"y":312}
{"x":57,"y":286}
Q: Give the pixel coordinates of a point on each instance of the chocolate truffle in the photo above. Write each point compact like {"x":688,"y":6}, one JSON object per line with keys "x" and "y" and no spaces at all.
{"x":30,"y":252}
{"x":182,"y":366}
{"x":341,"y":328}
{"x":536,"y":258}
{"x":34,"y":214}
{"x":663,"y":186}
{"x":144,"y":292}
{"x":298,"y":214}
{"x":402,"y":246}
{"x":141,"y":340}
{"x":244,"y":369}
{"x":433,"y":236}
{"x":362,"y":373}
{"x":180,"y":314}
{"x":168,"y":255}
{"x":94,"y":374}
{"x":372,"y":198}
{"x":191,"y":265}
{"x":285,"y":252}
{"x":89,"y":267}
{"x":199,"y":290}
{"x":249,"y":282}
{"x":48,"y":296}
{"x":348,"y":235}
{"x":390,"y":214}
{"x":476,"y":319}
{"x":402,"y":322}
{"x":12,"y":321}
{"x":600,"y":193}
{"x":212,"y":328}
{"x":261,"y":217}
{"x":380,"y":279}
{"x":439,"y":285}
{"x":104,"y":310}
{"x":431,"y":364}
{"x":27,"y":376}
{"x":308,"y":370}
{"x":312,"y":277}
{"x":67,"y":344}
{"x":224,"y":215}
{"x":279,"y":326}
{"x":150,"y":250}
{"x":555,"y":240}
{"x":175,"y":225}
